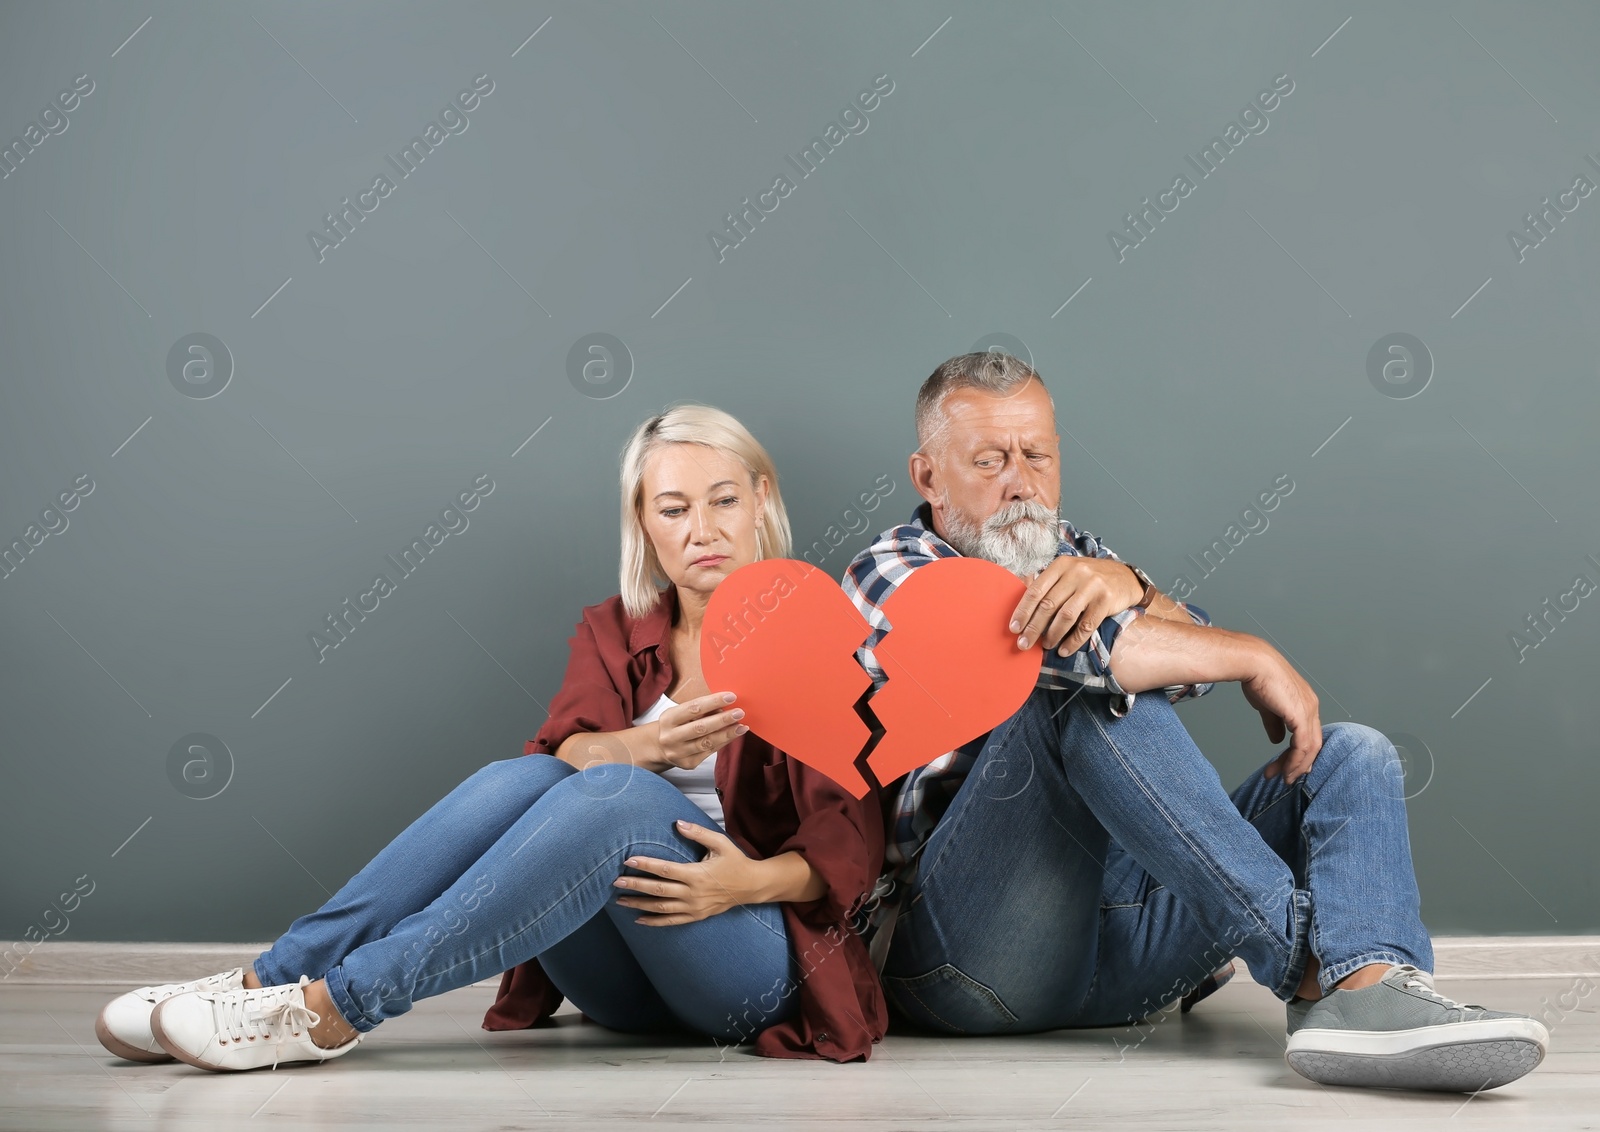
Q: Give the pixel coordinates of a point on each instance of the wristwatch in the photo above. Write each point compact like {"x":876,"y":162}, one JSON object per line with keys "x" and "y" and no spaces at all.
{"x":1150,"y":589}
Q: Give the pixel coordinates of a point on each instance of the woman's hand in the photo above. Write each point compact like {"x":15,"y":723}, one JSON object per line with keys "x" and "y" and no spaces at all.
{"x":688,"y":733}
{"x":681,"y":892}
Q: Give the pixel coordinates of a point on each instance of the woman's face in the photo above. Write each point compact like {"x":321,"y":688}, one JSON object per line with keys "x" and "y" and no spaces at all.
{"x":700,"y":514}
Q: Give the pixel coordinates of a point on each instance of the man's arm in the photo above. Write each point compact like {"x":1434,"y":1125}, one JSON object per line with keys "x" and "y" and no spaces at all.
{"x":1168,"y":610}
{"x":1154,"y":652}
{"x":1064,"y":605}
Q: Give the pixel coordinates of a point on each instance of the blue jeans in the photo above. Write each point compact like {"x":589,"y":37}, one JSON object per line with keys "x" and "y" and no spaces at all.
{"x":1091,"y":869}
{"x":517,"y":862}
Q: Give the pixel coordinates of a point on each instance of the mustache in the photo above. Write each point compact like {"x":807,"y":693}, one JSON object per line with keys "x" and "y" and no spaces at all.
{"x":1022,"y":511}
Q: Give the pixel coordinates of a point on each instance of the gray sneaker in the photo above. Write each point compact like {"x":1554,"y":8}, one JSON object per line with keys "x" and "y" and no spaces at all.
{"x":1297,"y":1009}
{"x":1401,"y":1034}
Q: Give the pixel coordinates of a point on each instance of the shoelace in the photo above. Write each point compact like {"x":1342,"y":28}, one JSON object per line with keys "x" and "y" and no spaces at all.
{"x":167,"y":990}
{"x":279,"y":1012}
{"x":1419,"y":980}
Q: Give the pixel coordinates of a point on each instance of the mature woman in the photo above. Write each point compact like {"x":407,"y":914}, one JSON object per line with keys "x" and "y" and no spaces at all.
{"x":648,"y":859}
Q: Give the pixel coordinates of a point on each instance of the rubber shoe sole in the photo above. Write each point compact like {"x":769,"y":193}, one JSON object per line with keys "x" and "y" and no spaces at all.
{"x":183,"y":1055}
{"x":121,"y":1048}
{"x":1478,"y":1055}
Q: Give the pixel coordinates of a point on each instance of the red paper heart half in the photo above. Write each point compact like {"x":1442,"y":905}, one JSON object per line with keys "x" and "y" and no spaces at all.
{"x":781,"y":635}
{"x":952,"y":664}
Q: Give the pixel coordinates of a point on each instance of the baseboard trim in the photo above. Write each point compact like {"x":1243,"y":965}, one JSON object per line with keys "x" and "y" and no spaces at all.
{"x":124,"y":964}
{"x":1514,"y":957}
{"x":1517,"y":957}
{"x":140,"y":964}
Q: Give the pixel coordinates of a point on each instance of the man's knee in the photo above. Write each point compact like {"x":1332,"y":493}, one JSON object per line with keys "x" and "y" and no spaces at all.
{"x":1366,"y":750}
{"x":1086,"y":726}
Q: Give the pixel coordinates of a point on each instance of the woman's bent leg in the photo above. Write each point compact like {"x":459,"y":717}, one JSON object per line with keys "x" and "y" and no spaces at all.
{"x":729,"y":976}
{"x":597,"y":973}
{"x":543,"y":879}
{"x":413,"y":869}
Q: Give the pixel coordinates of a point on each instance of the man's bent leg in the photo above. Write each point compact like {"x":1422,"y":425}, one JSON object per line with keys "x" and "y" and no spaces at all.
{"x":1162,"y":802}
{"x":1342,"y":828}
{"x":1151,"y":951}
{"x":1001,"y":927}
{"x":1346,"y":816}
{"x":996,"y":933}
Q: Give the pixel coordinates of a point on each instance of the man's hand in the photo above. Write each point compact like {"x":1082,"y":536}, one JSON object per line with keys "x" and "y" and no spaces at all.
{"x":682,"y":892}
{"x":1069,"y":599}
{"x":1285,"y":700}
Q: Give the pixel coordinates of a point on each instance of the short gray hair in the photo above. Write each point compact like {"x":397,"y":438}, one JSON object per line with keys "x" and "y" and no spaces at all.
{"x":992,"y":371}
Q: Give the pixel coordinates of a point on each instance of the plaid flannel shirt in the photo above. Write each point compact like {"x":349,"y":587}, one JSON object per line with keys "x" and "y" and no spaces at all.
{"x":925,"y":793}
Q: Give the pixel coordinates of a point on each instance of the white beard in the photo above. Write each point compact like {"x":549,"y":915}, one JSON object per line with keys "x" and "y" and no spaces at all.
{"x":1023,"y":537}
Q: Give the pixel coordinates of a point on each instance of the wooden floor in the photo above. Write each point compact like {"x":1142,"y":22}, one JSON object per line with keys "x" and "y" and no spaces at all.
{"x":1220,"y":1067}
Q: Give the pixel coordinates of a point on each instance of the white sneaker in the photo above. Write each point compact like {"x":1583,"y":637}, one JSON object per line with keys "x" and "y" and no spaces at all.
{"x":242,"y":1029}
{"x":124,"y":1025}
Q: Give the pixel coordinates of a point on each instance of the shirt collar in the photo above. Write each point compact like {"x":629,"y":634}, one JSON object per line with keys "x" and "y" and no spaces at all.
{"x":650,"y":631}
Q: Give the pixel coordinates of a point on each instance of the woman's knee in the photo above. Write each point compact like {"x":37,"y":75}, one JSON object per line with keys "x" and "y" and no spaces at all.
{"x":625,"y":803}
{"x":526,"y":777}
{"x":622,"y":791}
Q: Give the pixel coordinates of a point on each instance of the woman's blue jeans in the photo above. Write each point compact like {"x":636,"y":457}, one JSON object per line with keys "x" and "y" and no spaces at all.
{"x":1091,"y":869}
{"x":516,"y":862}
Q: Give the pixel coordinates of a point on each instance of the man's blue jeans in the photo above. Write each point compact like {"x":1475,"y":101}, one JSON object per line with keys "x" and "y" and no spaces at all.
{"x":517,"y":862}
{"x":1092,"y":869}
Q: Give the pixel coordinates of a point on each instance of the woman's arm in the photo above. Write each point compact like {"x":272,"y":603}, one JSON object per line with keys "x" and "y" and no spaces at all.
{"x":684,"y":737}
{"x":637,"y":745}
{"x":788,"y":877}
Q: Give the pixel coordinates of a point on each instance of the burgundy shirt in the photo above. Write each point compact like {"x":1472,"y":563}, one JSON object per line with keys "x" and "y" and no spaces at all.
{"x":618,"y":667}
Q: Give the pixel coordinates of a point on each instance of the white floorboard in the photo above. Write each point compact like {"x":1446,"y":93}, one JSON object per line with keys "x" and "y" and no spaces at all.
{"x":1220,"y":1067}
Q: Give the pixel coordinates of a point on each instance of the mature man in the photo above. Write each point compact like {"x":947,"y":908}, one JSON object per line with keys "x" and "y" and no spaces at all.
{"x":1082,"y":865}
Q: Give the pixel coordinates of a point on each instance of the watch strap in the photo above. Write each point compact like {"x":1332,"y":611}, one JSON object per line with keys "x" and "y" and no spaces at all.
{"x":1150,"y":589}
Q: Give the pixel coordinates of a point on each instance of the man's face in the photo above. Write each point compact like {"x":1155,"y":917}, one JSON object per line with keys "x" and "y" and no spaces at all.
{"x":992,"y":475}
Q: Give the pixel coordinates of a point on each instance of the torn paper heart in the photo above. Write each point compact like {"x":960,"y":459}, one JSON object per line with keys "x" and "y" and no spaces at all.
{"x":782,"y":636}
{"x":952,"y":666}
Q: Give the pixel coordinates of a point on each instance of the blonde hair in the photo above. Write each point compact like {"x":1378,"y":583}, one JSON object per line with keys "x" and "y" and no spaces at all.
{"x":711,"y":428}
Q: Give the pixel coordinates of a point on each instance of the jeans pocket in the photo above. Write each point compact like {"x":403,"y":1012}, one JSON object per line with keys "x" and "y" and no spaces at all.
{"x":948,"y":999}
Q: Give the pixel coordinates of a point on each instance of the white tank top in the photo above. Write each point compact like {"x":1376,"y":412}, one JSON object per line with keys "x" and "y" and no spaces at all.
{"x":698,"y":785}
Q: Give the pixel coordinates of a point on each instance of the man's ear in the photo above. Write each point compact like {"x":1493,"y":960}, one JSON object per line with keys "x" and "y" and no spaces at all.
{"x":924,"y":476}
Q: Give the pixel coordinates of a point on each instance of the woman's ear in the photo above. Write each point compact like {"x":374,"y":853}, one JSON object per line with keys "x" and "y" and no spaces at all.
{"x":762,"y":490}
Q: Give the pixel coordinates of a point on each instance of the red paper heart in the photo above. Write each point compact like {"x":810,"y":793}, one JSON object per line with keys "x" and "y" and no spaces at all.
{"x":952,"y":664}
{"x":782,"y":636}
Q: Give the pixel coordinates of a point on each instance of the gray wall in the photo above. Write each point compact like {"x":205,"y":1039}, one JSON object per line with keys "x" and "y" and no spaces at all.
{"x":369,"y":387}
